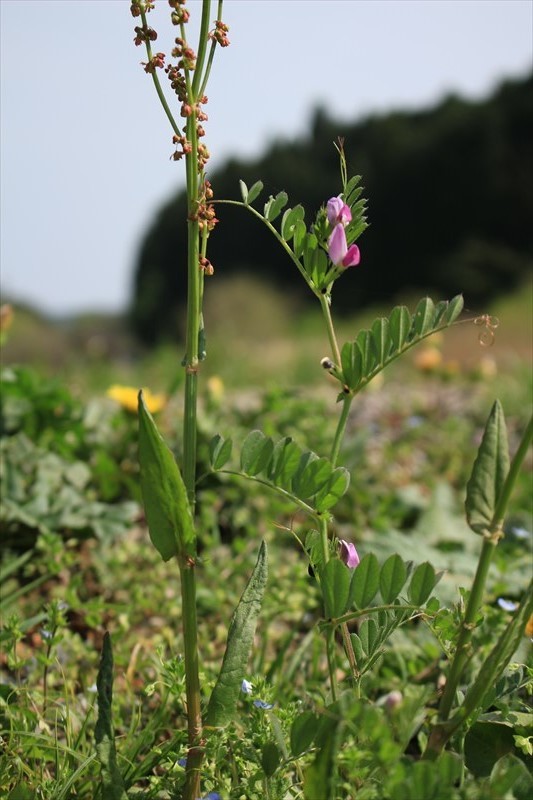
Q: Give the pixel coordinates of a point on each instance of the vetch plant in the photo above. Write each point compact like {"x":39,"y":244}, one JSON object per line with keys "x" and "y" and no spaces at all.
{"x":348,"y":742}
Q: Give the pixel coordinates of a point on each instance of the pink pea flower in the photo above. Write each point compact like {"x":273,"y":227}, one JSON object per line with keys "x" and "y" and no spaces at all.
{"x":348,"y":554}
{"x":338,"y":211}
{"x":338,"y":250}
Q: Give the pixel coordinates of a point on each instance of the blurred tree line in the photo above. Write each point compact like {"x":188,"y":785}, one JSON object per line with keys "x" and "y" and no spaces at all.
{"x":450,"y":205}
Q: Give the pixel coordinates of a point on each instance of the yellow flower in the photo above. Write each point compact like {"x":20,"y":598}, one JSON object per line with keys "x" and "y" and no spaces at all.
{"x":428,"y":358}
{"x":529,"y":627}
{"x":126,"y":396}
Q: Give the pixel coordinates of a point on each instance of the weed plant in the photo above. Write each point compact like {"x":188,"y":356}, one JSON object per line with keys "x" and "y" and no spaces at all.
{"x":393,"y":669}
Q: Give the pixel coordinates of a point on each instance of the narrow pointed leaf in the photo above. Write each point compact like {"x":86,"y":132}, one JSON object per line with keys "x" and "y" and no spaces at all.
{"x":489,"y":472}
{"x":380,"y":338}
{"x":352,"y":364}
{"x":423,"y":317}
{"x":254,"y":192}
{"x":335,"y":580}
{"x":303,"y":732}
{"x":288,"y":223}
{"x":112,"y":783}
{"x":285,"y":460}
{"x":270,"y":758}
{"x":225,"y":694}
{"x":166,"y":505}
{"x":335,"y":487}
{"x":256,"y":453}
{"x":312,"y":475}
{"x":500,"y":655}
{"x":454,"y":309}
{"x":219,"y":451}
{"x":399,"y":326}
{"x":422,"y":583}
{"x":365,"y":581}
{"x":299,"y":235}
{"x":369,"y":635}
{"x":275,"y":206}
{"x":392,"y":578}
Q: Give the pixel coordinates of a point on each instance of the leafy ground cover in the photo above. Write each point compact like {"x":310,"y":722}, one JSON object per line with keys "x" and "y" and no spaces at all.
{"x":77,"y":562}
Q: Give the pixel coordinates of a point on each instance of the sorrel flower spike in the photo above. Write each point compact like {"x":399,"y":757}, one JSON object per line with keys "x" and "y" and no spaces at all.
{"x":338,"y":250}
{"x":338,"y":212}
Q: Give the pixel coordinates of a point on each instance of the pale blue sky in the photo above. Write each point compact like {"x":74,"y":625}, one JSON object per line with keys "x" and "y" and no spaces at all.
{"x":85,"y":146}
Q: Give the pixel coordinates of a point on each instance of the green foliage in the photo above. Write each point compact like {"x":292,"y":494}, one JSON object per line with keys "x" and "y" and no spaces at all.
{"x":389,"y":337}
{"x":112,"y":783}
{"x":224,"y":696}
{"x":56,"y":474}
{"x":303,"y":477}
{"x":165,"y":499}
{"x":488,"y":474}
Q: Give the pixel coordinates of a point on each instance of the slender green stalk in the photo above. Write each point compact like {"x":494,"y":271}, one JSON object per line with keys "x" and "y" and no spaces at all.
{"x":325,"y":302}
{"x":157,"y":84}
{"x":463,"y":650}
{"x":341,"y":428}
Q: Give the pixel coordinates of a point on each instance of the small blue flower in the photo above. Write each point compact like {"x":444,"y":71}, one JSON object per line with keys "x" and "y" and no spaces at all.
{"x":212,"y":796}
{"x":262,"y":704}
{"x":521,"y":533}
{"x":507,"y":605}
{"x":182,"y":762}
{"x":246,"y":687}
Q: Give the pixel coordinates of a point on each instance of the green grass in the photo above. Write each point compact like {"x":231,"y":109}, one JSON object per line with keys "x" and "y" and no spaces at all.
{"x":409,"y":447}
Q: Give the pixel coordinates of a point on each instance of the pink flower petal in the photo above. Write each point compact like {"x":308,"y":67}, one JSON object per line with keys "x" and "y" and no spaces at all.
{"x":352,"y":257}
{"x":348,"y":554}
{"x":337,"y":246}
{"x":338,"y":211}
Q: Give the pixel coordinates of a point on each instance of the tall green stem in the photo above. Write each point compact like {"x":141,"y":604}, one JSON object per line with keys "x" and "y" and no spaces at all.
{"x":341,"y":428}
{"x":462,"y":653}
{"x":325,"y":301}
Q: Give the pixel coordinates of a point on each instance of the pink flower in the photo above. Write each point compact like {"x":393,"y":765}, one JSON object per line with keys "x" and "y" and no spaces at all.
{"x":348,"y":554}
{"x":338,"y":249}
{"x":338,"y":211}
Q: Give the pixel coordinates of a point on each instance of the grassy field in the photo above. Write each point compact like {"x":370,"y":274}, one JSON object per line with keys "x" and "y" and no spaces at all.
{"x":77,"y":559}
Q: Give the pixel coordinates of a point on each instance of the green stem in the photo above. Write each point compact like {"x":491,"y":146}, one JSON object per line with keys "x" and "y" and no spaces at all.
{"x":462,"y":653}
{"x":463,"y":650}
{"x":157,"y":84}
{"x":202,"y":47}
{"x":341,"y":428}
{"x":192,"y":681}
{"x":212,"y":49}
{"x":278,"y":236}
{"x":325,"y":302}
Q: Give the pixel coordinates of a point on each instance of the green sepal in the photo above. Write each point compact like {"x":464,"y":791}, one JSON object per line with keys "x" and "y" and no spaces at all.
{"x":488,"y":473}
{"x":166,"y":505}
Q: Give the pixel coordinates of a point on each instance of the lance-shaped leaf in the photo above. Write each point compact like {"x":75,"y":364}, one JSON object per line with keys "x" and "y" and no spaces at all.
{"x":254,"y":192}
{"x":498,"y":658}
{"x":335,"y":580}
{"x":256,"y":453}
{"x":392,"y":578}
{"x":112,"y":783}
{"x":165,"y":499}
{"x":219,"y":451}
{"x":225,"y":694}
{"x":489,"y":473}
{"x":365,"y":581}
